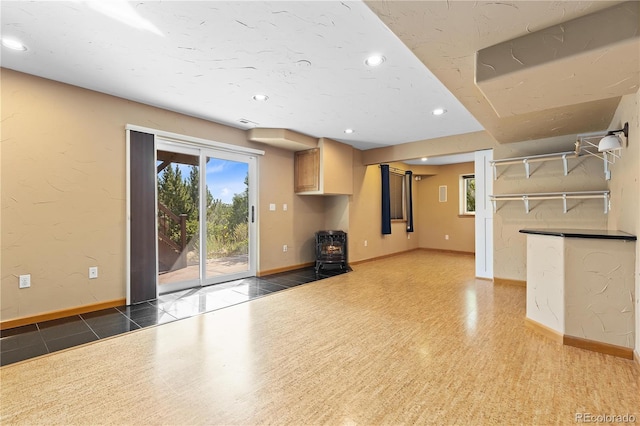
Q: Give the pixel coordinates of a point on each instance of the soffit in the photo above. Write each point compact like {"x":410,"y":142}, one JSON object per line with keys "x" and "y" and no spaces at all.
{"x":445,"y":36}
{"x":283,"y":138}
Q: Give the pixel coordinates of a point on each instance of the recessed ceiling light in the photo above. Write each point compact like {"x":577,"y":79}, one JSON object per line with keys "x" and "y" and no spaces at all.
{"x":13,"y":44}
{"x":424,"y":159}
{"x":439,"y":111}
{"x":348,"y":131}
{"x":260,"y":97}
{"x":374,"y":60}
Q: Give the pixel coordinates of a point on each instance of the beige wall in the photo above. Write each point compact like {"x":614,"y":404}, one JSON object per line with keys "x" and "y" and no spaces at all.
{"x":365,"y":216}
{"x":294,"y":227}
{"x":625,"y":187}
{"x":434,"y":219}
{"x":63,"y":193}
{"x":336,"y":212}
{"x":336,"y":160}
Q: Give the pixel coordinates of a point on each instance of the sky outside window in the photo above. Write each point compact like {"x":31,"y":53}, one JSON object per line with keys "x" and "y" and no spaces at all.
{"x":224,"y":178}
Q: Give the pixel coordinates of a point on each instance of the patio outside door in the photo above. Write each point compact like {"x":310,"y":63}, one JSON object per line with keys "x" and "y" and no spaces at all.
{"x":195,"y":183}
{"x":230,"y":218}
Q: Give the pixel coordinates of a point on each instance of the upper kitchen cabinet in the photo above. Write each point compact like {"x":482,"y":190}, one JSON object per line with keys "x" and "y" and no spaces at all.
{"x":325,"y":170}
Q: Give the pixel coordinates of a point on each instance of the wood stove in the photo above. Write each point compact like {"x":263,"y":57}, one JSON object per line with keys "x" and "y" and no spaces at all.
{"x":331,"y":249}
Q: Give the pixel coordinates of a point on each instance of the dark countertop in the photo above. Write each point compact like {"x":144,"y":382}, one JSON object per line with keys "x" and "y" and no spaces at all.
{"x":582,"y":233}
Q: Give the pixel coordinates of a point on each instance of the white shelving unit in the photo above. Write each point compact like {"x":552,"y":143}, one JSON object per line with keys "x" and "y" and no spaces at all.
{"x":585,"y":145}
{"x":564,"y":196}
{"x":534,"y":159}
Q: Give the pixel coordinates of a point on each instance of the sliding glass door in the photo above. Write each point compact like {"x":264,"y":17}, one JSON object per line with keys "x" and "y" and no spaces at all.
{"x":229,"y":218}
{"x":206,"y":216}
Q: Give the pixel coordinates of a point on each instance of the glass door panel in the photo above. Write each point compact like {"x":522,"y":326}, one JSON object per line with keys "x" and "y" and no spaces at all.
{"x":194,"y":183}
{"x":228,"y":219}
{"x":178,"y":190}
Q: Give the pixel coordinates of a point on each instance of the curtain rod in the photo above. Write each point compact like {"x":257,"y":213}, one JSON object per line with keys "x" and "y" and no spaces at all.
{"x":394,"y":169}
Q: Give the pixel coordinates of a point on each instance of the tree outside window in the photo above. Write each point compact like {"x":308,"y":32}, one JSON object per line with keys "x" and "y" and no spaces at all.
{"x":467,"y":195}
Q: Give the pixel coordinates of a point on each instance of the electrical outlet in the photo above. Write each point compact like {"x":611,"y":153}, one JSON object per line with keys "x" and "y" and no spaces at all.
{"x":408,"y":236}
{"x":365,"y":243}
{"x":284,"y":207}
{"x":93,"y":272}
{"x":272,"y":207}
{"x":285,"y":248}
{"x":25,"y":281}
{"x":446,"y":237}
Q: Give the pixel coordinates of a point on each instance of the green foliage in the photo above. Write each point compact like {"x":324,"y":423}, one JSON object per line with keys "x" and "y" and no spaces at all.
{"x":227,"y":227}
{"x":240,"y":205}
{"x":471,"y":194}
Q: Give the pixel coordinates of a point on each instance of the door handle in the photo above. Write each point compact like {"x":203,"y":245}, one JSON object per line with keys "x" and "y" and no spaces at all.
{"x":253,"y":214}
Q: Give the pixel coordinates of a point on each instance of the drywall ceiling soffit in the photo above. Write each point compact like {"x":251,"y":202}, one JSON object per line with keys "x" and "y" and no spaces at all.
{"x":585,"y":59}
{"x":468,"y":142}
{"x":445,"y":36}
{"x":441,"y":160}
{"x":283,"y":138}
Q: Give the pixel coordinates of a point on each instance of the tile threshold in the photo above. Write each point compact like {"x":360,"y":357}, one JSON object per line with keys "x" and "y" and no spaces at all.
{"x":193,"y":302}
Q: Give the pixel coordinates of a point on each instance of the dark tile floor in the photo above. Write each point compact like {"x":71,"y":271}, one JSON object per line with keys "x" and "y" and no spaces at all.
{"x":20,"y":343}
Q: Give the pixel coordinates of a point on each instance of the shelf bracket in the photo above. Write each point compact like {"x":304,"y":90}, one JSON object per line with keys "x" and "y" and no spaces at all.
{"x":564,"y":163}
{"x":607,"y":202}
{"x":526,"y":203}
{"x":494,"y":201}
{"x":495,"y":171}
{"x":564,"y":203}
{"x":607,"y":172}
{"x":526,"y":168}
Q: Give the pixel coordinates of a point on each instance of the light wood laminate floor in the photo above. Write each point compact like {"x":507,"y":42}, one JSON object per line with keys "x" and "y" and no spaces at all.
{"x":412,"y":339}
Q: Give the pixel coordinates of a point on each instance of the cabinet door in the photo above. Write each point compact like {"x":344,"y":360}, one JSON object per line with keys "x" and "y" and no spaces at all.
{"x":307,"y":170}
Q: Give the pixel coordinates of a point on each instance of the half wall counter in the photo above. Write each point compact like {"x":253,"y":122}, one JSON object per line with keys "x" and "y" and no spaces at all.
{"x":580,"y":287}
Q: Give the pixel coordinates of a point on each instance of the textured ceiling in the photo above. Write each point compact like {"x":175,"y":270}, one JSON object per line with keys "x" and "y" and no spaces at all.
{"x":445,"y":36}
{"x":208,"y":58}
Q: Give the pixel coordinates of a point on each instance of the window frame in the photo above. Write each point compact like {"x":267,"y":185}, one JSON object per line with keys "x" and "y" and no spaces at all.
{"x":393,"y":196}
{"x":463,"y":206}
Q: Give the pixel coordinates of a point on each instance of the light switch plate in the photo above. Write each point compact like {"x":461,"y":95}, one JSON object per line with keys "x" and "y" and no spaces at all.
{"x":25,"y":281}
{"x":272,"y":207}
{"x":93,"y":272}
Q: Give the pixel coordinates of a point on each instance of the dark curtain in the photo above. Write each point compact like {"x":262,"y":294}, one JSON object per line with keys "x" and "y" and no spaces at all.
{"x":142,"y":174}
{"x":386,"y":200}
{"x":408,"y":176}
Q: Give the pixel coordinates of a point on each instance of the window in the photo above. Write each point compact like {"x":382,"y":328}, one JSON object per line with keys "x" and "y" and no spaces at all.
{"x":396,"y":194}
{"x":467,"y":194}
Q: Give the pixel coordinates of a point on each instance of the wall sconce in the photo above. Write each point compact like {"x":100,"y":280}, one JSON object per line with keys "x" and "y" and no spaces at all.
{"x":607,"y":147}
{"x":612,"y":142}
